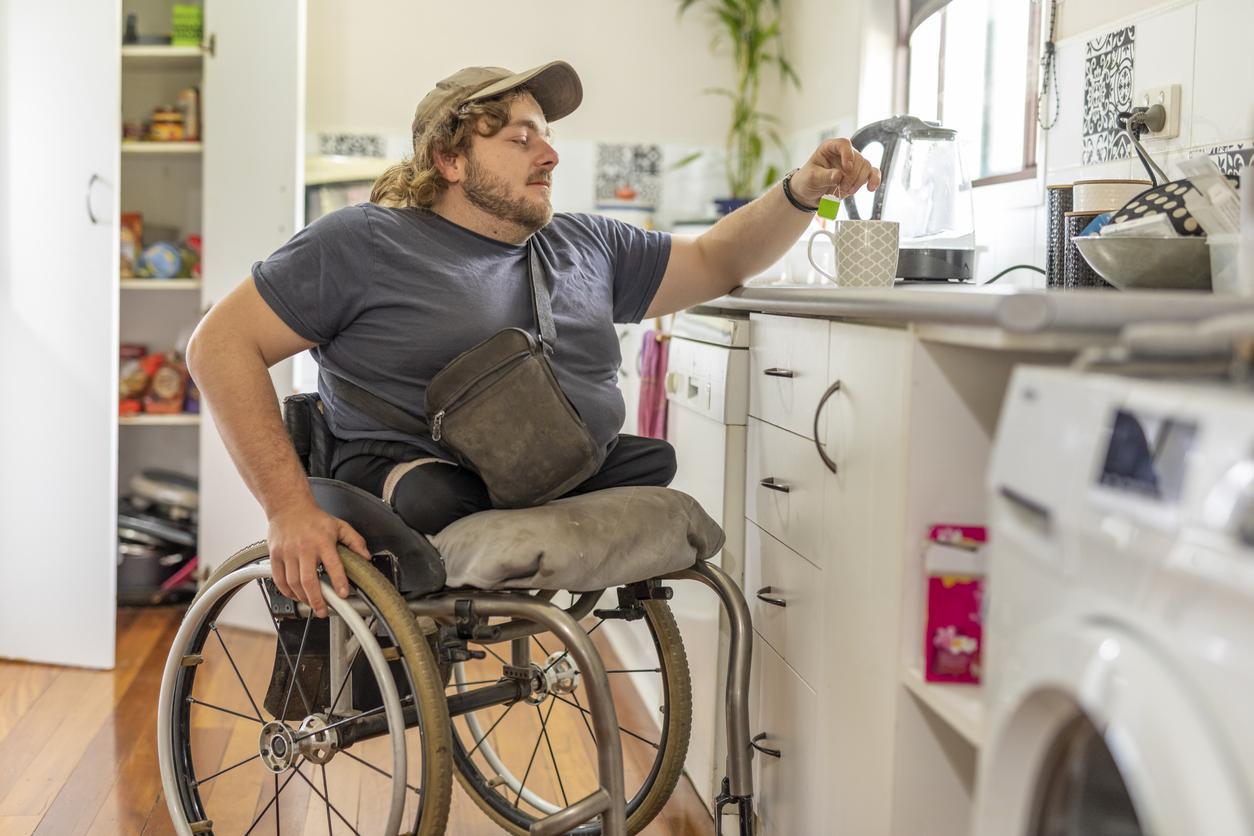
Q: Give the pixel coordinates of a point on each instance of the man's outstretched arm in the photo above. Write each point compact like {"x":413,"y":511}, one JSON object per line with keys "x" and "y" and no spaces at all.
{"x":754,"y":237}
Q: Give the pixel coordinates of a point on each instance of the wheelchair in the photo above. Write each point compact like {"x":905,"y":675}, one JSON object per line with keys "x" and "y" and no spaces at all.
{"x":364,"y":718}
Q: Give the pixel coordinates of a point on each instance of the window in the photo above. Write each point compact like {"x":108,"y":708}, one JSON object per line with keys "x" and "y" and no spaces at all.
{"x":973,"y":69}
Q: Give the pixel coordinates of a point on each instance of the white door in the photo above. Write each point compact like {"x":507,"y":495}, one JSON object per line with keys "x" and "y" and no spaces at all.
{"x":60,"y":102}
{"x":254,"y":113}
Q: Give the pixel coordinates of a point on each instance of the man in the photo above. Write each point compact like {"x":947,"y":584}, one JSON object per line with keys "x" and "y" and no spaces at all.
{"x":387,"y":293}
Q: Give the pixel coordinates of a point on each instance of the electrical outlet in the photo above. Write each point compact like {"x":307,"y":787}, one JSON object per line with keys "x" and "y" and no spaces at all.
{"x":1169,"y":97}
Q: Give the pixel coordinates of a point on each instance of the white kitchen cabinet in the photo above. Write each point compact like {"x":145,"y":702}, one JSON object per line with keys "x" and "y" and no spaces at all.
{"x":908,"y":431}
{"x":59,"y":168}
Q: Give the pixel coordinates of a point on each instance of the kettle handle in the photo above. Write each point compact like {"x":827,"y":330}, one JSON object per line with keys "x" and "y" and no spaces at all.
{"x":886,"y":132}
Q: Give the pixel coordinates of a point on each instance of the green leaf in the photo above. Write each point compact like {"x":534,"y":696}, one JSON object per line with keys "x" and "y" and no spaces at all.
{"x":687,"y":159}
{"x":772,"y":174}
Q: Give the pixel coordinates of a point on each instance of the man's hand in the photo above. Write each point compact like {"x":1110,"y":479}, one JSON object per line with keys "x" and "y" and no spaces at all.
{"x":835,"y":168}
{"x":302,"y":539}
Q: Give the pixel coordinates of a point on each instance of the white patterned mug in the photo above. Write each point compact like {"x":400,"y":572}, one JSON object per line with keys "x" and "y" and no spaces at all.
{"x":866,"y":253}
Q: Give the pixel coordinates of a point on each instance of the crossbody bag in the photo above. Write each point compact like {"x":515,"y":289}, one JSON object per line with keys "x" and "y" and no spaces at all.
{"x":498,"y":408}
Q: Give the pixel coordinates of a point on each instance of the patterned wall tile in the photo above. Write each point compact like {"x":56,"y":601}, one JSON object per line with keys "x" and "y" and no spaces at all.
{"x":1230,"y":158}
{"x":629,"y":173}
{"x":352,"y":145}
{"x":1108,"y":78}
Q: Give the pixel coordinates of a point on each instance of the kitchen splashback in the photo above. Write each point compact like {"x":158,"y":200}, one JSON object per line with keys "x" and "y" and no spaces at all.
{"x":1202,"y":45}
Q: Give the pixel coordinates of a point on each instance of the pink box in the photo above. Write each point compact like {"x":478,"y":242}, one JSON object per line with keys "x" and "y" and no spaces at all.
{"x":954,"y":563}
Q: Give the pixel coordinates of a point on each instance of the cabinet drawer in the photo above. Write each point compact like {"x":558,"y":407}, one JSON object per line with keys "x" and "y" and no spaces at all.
{"x":787,"y":370}
{"x":789,"y":790}
{"x":784,"y":488}
{"x":775,"y":575}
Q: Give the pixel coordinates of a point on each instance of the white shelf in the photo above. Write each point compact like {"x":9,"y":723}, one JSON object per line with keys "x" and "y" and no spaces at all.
{"x":163,"y":52}
{"x":134,"y":146}
{"x":160,"y":284}
{"x":961,"y":706}
{"x":144,"y":420}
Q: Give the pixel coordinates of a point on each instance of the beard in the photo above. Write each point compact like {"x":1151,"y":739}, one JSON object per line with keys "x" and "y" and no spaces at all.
{"x":490,"y":193}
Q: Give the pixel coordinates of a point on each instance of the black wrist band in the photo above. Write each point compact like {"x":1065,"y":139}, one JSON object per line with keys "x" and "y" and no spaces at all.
{"x":797,"y":204}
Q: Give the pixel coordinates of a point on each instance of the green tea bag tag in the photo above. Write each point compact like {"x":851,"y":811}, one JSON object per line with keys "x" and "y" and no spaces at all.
{"x":828,"y":207}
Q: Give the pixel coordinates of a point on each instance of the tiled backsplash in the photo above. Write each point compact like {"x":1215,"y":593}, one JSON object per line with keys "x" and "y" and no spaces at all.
{"x":1206,"y":46}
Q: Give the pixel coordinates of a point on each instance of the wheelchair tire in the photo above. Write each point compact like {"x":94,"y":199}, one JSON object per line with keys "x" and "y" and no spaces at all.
{"x":411,"y":668}
{"x":645,"y":803}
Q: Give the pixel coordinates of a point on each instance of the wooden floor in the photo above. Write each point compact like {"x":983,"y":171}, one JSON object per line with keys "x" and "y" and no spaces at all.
{"x":78,"y":750}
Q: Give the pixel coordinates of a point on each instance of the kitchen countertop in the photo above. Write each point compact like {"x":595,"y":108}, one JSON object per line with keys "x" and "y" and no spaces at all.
{"x":995,"y":317}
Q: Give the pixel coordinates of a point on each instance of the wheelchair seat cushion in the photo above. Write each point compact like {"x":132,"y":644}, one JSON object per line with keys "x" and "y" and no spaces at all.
{"x":583,"y":543}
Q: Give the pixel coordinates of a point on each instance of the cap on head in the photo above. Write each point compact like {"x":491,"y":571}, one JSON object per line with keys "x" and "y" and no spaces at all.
{"x":555,"y":85}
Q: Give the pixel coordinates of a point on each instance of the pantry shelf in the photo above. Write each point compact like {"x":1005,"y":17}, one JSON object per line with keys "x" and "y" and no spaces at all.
{"x":160,"y":284}
{"x":961,"y":706}
{"x":163,"y":52}
{"x":178,"y":420}
{"x":134,"y":146}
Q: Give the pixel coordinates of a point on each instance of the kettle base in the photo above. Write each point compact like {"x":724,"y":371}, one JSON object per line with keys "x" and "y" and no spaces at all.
{"x":934,"y":264}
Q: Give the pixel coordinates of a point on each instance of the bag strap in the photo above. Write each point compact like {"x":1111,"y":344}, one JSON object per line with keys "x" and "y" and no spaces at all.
{"x":397,"y":418}
{"x":540,"y":301}
{"x":374,"y":406}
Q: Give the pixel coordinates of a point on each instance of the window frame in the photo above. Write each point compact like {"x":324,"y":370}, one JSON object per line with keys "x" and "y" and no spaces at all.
{"x":1029,"y":169}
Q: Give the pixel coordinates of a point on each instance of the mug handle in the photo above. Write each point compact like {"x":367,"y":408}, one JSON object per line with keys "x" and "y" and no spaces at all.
{"x":835,"y":257}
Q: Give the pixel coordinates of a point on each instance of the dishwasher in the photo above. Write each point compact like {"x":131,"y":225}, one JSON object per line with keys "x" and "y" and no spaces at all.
{"x":707,"y":393}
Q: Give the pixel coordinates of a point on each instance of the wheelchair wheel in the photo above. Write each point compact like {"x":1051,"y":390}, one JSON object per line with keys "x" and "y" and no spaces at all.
{"x":254,"y":736}
{"x":517,"y":773}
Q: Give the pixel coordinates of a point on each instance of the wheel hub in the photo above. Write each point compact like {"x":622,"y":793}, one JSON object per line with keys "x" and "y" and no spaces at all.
{"x":280,"y":745}
{"x":560,"y":674}
{"x":278,"y":748}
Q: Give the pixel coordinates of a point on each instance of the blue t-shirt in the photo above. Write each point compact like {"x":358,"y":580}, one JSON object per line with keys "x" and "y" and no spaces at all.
{"x":392,"y":295}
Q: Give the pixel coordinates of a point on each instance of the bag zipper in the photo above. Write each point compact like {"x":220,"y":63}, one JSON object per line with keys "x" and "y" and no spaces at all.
{"x":466,"y":390}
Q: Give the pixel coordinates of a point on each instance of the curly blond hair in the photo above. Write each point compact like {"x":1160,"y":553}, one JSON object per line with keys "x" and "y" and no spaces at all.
{"x":417,"y":181}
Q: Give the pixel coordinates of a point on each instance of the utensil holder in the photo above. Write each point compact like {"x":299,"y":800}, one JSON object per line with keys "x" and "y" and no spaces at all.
{"x":1058,"y":202}
{"x":1076,"y":270}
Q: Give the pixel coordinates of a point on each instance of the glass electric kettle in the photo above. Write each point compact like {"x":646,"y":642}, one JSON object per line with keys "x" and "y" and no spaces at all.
{"x":925,"y":190}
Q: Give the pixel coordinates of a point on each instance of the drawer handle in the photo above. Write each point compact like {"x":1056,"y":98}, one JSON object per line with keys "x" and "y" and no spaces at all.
{"x":831,"y":390}
{"x":775,"y":602}
{"x":769,"y":482}
{"x":774,"y":753}
{"x":779,"y":372}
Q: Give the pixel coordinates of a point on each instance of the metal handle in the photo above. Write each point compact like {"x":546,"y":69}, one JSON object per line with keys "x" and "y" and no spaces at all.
{"x":90,"y":214}
{"x":779,"y":373}
{"x":831,"y":390}
{"x":775,"y":602}
{"x":769,"y":482}
{"x":774,"y":753}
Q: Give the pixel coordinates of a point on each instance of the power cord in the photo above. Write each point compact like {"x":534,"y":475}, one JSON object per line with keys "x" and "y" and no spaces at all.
{"x":1012,"y":269}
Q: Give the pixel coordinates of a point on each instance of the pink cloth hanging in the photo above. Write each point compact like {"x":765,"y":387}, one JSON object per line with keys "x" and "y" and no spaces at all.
{"x":651,"y":411}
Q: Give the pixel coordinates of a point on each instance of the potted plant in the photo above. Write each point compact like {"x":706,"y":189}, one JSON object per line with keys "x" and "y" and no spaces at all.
{"x":752,"y":29}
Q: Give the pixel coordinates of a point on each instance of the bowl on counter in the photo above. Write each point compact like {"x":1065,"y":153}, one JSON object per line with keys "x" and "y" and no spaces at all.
{"x":1148,"y":263}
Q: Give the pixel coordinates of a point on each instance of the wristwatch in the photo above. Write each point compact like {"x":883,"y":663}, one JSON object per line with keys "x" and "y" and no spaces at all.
{"x":787,"y":183}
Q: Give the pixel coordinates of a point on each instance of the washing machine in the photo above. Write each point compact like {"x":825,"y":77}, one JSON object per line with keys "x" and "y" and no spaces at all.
{"x":1120,"y":623}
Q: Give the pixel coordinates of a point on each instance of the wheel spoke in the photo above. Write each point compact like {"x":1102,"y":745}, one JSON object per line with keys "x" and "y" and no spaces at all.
{"x":479,"y":742}
{"x":325,"y":799}
{"x":497,"y":655}
{"x":266,"y":809}
{"x":476,"y":682}
{"x":300,"y":651}
{"x":620,"y":728}
{"x":541,"y":646}
{"x":544,"y":729}
{"x":204,"y":781}
{"x":387,"y":775}
{"x":523,"y":784}
{"x":567,"y":652}
{"x":234,"y":667}
{"x":330,"y":828}
{"x":583,"y":715}
{"x":278,"y":808}
{"x":639,"y":670}
{"x":195,"y":701}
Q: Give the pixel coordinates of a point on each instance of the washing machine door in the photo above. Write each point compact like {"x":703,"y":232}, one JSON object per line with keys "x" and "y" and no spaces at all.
{"x":1093,"y":734}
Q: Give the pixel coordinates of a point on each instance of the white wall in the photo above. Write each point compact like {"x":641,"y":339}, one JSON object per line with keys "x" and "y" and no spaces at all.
{"x":1200,"y":44}
{"x":642,"y":68}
